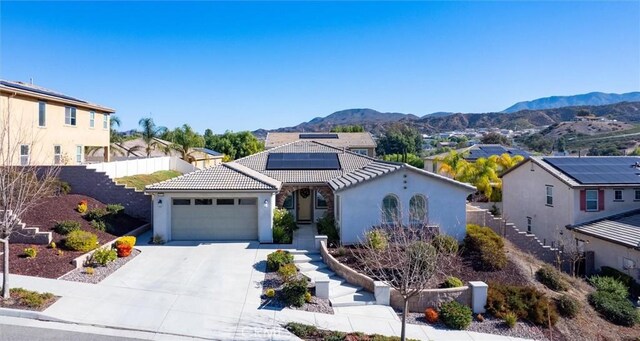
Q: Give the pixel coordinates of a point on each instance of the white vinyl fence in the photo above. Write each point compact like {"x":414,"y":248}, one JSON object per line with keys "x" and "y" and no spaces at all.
{"x":118,"y":169}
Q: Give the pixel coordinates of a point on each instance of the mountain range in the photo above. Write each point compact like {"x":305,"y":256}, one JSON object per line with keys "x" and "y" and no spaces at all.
{"x":539,"y":112}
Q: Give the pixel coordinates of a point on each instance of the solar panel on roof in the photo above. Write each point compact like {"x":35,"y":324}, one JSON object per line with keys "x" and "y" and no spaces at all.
{"x":317,"y":136}
{"x":303,"y":161}
{"x":598,"y":170}
{"x":40,"y":91}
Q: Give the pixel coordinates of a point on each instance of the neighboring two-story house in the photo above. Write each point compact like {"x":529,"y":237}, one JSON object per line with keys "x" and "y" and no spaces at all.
{"x":360,"y":143}
{"x":559,"y":197}
{"x":45,"y":127}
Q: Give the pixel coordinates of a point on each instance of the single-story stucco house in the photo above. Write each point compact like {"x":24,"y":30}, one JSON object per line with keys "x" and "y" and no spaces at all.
{"x":236,"y":200}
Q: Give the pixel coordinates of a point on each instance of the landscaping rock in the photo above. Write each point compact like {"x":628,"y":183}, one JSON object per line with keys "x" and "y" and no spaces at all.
{"x":100,"y":272}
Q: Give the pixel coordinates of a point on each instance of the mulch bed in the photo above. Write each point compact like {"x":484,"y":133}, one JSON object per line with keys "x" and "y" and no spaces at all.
{"x":100,"y":272}
{"x":272,"y":280}
{"x":16,"y":303}
{"x":460,"y":266}
{"x":50,"y":263}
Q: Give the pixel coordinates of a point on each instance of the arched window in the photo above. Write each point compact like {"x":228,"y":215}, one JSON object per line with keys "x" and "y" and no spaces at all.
{"x":390,"y":209}
{"x":418,"y":209}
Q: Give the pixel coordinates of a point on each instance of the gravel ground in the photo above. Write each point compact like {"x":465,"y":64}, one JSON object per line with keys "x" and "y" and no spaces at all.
{"x":100,"y":272}
{"x":272,"y":280}
{"x":490,"y":325}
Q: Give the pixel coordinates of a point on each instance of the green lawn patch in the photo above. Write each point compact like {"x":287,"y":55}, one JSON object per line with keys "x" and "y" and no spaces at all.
{"x":141,"y":180}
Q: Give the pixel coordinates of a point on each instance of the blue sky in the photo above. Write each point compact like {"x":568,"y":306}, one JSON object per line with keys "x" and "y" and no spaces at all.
{"x":243,"y":66}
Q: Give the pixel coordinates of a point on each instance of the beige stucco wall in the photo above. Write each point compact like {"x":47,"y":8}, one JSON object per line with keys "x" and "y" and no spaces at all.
{"x":21,"y":113}
{"x":611,"y":254}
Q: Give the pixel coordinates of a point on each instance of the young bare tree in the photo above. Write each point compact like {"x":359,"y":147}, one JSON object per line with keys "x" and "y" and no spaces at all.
{"x":404,"y":258}
{"x":22,"y":185}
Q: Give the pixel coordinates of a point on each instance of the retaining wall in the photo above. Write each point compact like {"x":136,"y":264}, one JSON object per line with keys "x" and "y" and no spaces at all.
{"x":119,"y":169}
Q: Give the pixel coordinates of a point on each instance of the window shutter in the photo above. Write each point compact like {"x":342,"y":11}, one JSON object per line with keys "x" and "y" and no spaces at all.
{"x":583,"y":200}
{"x":601,"y":200}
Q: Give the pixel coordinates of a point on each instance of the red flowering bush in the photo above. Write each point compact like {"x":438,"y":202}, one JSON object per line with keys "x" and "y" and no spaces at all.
{"x":124,"y":250}
{"x":82,"y":206}
{"x":431,"y":315}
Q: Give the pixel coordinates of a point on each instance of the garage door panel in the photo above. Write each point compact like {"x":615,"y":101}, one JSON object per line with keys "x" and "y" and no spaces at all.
{"x":214,"y":222}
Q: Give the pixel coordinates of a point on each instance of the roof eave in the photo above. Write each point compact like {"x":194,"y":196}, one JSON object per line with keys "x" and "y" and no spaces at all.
{"x":57,"y":99}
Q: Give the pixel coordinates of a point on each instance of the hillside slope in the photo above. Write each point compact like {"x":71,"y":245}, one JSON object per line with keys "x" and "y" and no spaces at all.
{"x":592,"y":98}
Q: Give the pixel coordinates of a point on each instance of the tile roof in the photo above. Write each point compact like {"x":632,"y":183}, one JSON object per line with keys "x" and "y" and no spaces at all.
{"x":623,"y":229}
{"x":225,"y":177}
{"x":344,"y":140}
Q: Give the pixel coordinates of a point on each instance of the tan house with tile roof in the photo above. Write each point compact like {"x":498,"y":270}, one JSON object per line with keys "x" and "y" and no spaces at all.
{"x":48,"y":128}
{"x":360,"y":143}
{"x":235,"y":200}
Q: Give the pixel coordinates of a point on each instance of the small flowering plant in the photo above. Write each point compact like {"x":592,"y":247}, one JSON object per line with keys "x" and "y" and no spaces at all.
{"x":82,"y":206}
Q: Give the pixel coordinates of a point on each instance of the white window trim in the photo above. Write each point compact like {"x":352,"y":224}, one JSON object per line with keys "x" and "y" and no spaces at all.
{"x":28,"y":156}
{"x":105,"y":121}
{"x":412,"y":215}
{"x":398,"y":209}
{"x":636,"y":197}
{"x":80,"y":155}
{"x":44,"y":104}
{"x":57,"y":157}
{"x":73,"y":116}
{"x":621,"y":191}
{"x":361,"y":151}
{"x":586,"y":200}
{"x":92,"y":119}
{"x":548,"y":196}
{"x":321,"y":207}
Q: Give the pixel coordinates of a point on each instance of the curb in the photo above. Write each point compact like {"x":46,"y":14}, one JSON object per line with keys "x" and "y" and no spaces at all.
{"x":30,"y":314}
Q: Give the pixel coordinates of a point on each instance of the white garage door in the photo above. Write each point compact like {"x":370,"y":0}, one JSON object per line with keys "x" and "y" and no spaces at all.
{"x":214,"y":219}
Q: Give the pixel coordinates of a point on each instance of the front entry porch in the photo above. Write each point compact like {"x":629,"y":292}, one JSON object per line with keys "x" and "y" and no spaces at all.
{"x":306,"y":203}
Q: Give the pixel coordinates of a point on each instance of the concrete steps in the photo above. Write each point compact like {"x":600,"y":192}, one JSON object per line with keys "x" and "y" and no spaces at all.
{"x":24,"y":234}
{"x":359,"y":298}
{"x":306,"y":258}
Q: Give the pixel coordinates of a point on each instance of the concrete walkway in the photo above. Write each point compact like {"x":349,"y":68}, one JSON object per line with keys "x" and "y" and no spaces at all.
{"x":206,"y":291}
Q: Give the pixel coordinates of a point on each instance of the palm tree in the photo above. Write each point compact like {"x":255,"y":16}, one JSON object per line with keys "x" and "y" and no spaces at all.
{"x":115,"y":139}
{"x":183,"y":140}
{"x":483,"y":174}
{"x":453,"y":164}
{"x":150,"y":133}
{"x":506,"y":161}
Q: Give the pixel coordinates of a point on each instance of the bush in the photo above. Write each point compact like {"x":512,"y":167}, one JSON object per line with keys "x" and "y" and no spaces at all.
{"x":66,"y":226}
{"x":53,"y":245}
{"x":99,"y":225}
{"x":103,"y":256}
{"x":307,"y":297}
{"x":128,"y":240}
{"x":30,"y":252}
{"x":96,"y":214}
{"x":568,"y":306}
{"x":61,"y":187}
{"x":300,"y":330}
{"x":281,"y":235}
{"x":114,"y":209}
{"x":124,"y":250}
{"x":270,"y":292}
{"x":510,"y":319}
{"x":283,"y":218}
{"x":377,"y":239}
{"x":82,"y":206}
{"x":614,"y":308}
{"x":455,"y":315}
{"x":445,"y":244}
{"x":288,"y":272}
{"x":81,"y":241}
{"x":294,"y":292}
{"x":487,"y":246}
{"x":551,"y":278}
{"x":89,"y":270}
{"x":157,"y":240}
{"x":431,"y":315}
{"x":452,"y":282}
{"x":277,"y":259}
{"x":526,"y":302}
{"x":31,"y":299}
{"x":422,"y":255}
{"x":327,"y":226}
{"x":627,"y":280}
{"x":609,"y":284}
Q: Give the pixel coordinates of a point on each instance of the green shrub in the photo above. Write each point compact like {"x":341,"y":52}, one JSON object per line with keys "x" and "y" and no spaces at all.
{"x":551,"y":278}
{"x":99,"y":225}
{"x":115,"y":209}
{"x":294,"y":292}
{"x":609,"y":284}
{"x":455,"y":315}
{"x":67,"y":226}
{"x":526,"y":302}
{"x":283,"y":218}
{"x":81,"y":241}
{"x":281,"y":235}
{"x":487,"y":247}
{"x":103,"y":256}
{"x":61,"y":187}
{"x":377,"y":239}
{"x":327,"y":226}
{"x":95,"y":214}
{"x":445,"y":244}
{"x":510,"y":319}
{"x":288,"y":272}
{"x":422,"y":256}
{"x":568,"y":306}
{"x":452,"y":282}
{"x":301,"y":330}
{"x":627,"y":280}
{"x":270,"y":292}
{"x":614,"y":308}
{"x":30,"y":298}
{"x":30,"y":252}
{"x":277,"y":259}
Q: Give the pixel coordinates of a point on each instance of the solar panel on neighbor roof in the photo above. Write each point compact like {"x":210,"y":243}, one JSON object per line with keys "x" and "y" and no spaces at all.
{"x":303,"y":161}
{"x":598,"y":170}
{"x":43,"y":92}
{"x":318,"y":136}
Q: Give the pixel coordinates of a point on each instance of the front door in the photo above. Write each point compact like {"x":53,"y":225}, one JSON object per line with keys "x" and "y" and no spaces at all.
{"x":304,"y":203}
